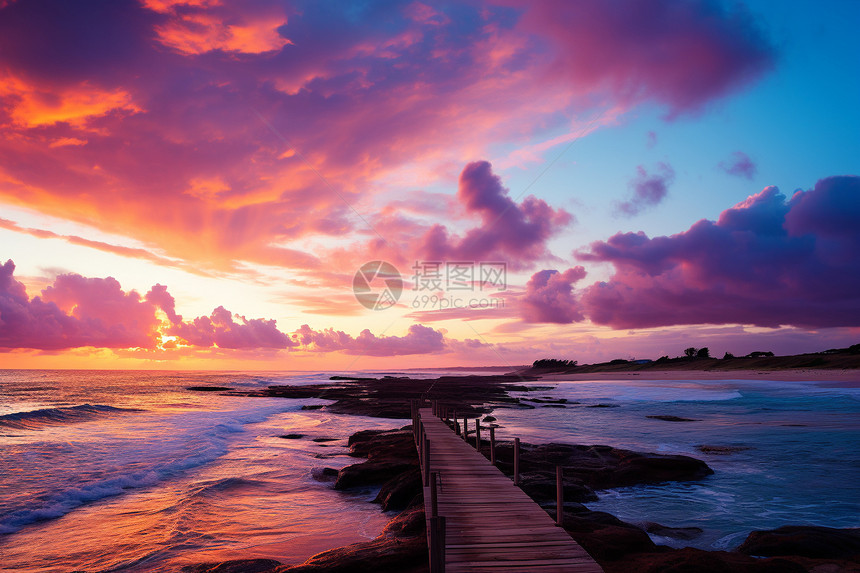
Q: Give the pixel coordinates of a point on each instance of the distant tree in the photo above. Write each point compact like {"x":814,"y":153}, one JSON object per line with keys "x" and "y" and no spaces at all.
{"x":690,"y":352}
{"x":728,"y":355}
{"x":663,"y":359}
{"x":703,"y":352}
{"x":619,"y":361}
{"x":760,"y":354}
{"x":553,"y":363}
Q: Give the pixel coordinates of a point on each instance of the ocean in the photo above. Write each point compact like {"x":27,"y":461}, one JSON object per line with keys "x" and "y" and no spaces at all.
{"x":130,"y":471}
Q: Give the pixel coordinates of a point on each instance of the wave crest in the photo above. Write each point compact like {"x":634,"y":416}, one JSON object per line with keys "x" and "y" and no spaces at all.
{"x":36,"y":419}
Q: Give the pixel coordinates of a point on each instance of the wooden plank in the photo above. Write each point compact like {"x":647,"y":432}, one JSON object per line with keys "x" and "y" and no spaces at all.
{"x":492,"y":525}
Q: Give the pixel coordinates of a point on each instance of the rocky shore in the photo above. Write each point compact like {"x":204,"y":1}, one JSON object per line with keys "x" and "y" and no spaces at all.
{"x":389,"y":397}
{"x":391,"y":464}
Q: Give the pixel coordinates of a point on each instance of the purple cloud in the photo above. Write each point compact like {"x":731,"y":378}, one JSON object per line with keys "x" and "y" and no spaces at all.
{"x":681,"y":54}
{"x":73,"y":312}
{"x":648,"y":190}
{"x":509,"y":231}
{"x":549,"y":297}
{"x":767,"y":261}
{"x":362,"y":93}
{"x":418,"y":340}
{"x":226,"y":330}
{"x":739,"y":165}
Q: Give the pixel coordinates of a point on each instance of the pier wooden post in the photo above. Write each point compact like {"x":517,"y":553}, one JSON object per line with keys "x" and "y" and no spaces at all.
{"x":465,"y":428}
{"x":437,"y":544}
{"x":426,"y":461}
{"x":478,"y":434}
{"x":559,"y":497}
{"x":456,"y":422}
{"x":416,"y":422}
{"x":516,"y":461}
{"x":493,"y":445}
{"x":434,"y":504}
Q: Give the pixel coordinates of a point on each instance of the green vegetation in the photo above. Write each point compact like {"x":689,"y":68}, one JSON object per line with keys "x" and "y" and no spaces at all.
{"x":759,"y":354}
{"x":553,"y":363}
{"x":694,"y":352}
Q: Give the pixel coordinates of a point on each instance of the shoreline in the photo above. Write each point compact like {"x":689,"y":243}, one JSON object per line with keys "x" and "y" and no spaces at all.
{"x":621,"y":546}
{"x":845,"y":378}
{"x":617,"y":546}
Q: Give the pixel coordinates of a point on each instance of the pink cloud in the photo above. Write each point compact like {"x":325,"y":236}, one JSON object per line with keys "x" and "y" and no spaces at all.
{"x":491,"y":309}
{"x":549,"y":297}
{"x":681,"y":54}
{"x":159,"y":296}
{"x":648,"y":190}
{"x":740,"y":165}
{"x":509,"y":232}
{"x":418,"y":340}
{"x":202,"y":132}
{"x":512,"y":232}
{"x":226,"y":330}
{"x":73,"y":312}
{"x":767,"y":261}
{"x":77,"y":311}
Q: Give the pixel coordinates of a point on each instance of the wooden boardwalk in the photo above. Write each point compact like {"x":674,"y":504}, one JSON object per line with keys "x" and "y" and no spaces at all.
{"x":491,"y":525}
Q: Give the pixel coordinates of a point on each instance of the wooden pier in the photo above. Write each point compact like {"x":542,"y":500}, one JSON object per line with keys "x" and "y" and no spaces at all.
{"x":478,"y":520}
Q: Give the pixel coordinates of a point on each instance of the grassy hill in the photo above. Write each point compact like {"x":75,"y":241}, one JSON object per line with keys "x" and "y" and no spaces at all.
{"x":838,"y":358}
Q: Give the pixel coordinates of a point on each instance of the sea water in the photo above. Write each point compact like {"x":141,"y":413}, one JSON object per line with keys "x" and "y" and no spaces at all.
{"x":791,"y":454}
{"x":131,"y":471}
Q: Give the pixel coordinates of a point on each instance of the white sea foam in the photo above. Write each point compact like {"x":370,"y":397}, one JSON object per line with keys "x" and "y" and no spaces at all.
{"x":139,"y":453}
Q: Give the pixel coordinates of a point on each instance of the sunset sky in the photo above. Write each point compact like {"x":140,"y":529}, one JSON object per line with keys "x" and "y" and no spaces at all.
{"x":194,"y":184}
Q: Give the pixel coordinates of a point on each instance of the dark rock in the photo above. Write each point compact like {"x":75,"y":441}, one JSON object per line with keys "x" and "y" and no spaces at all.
{"x":369,"y":473}
{"x":235,"y":566}
{"x":689,"y":560}
{"x":645,"y":468}
{"x":489,"y":419}
{"x":668,"y":418}
{"x":324,"y":474}
{"x":400,"y":490}
{"x":685,"y":533}
{"x":323,"y":440}
{"x":601,"y":467}
{"x":722,"y":450}
{"x":383,"y":444}
{"x":389,"y":397}
{"x":807,"y":541}
{"x":292,"y":436}
{"x":407,"y":524}
{"x":401,"y":548}
{"x":604,"y":536}
{"x":208,"y":388}
{"x":542,"y":486}
{"x":313,"y":407}
{"x":547,"y":400}
{"x":367,"y":435}
{"x":389,"y":453}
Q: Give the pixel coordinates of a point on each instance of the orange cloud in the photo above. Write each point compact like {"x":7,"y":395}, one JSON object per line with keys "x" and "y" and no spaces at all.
{"x":32,"y":106}
{"x":194,"y":34}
